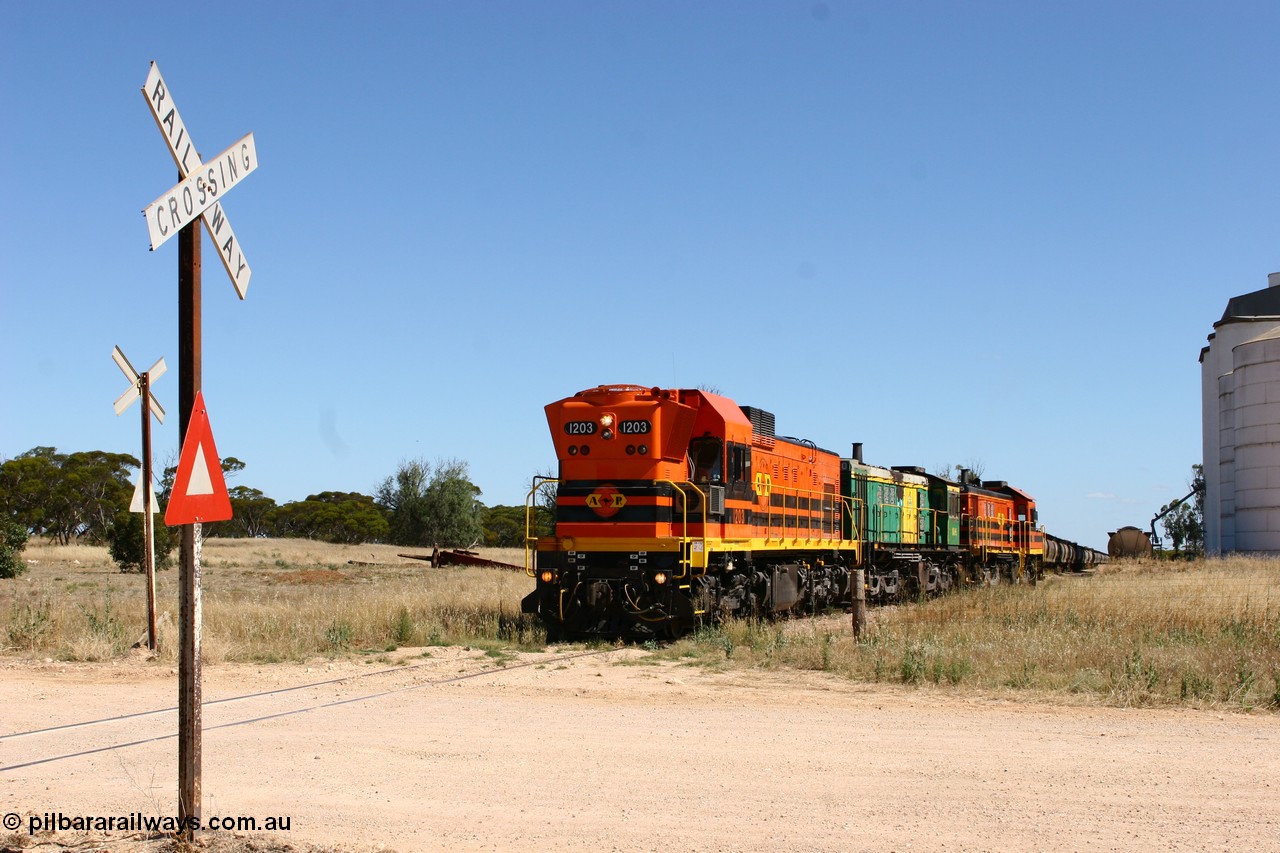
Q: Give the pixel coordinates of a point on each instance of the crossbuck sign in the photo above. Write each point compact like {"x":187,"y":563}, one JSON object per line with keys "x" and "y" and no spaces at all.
{"x":200,"y":192}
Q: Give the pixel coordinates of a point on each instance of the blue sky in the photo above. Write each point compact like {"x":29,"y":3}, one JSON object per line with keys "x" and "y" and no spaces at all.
{"x":953,"y":231}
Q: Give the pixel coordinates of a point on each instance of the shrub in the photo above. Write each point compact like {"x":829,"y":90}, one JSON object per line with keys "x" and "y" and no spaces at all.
{"x":126,"y":542}
{"x":13,"y":538}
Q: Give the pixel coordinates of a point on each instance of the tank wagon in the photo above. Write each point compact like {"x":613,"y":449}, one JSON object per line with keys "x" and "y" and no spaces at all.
{"x":1068,"y":556}
{"x":676,"y":507}
{"x":1130,"y":542}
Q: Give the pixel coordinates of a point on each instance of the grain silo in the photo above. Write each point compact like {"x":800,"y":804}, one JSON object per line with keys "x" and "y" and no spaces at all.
{"x":1257,"y":443}
{"x":1227,"y":461}
{"x":1240,"y":392}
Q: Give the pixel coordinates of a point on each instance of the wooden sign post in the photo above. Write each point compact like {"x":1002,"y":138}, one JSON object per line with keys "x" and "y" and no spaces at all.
{"x":140,"y":388}
{"x":197,"y":196}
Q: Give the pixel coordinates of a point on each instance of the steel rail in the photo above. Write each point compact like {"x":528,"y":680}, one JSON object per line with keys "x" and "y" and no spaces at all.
{"x":263,"y":718}
{"x":137,"y":714}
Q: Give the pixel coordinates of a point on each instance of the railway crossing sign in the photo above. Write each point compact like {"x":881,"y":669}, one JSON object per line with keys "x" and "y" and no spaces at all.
{"x":186,"y":156}
{"x":198,"y":191}
{"x":199,"y":490}
{"x":135,"y":388}
{"x":140,"y":389}
{"x":200,"y":494}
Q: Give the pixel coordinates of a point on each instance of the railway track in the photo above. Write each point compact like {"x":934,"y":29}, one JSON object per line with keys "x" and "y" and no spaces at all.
{"x":65,"y":728}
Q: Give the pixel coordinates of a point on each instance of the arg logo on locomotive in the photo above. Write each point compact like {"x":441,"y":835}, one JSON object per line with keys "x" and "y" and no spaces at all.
{"x":606,"y":501}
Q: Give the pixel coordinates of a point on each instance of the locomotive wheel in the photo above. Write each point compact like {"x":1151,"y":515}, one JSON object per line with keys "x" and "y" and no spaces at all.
{"x":945,"y":581}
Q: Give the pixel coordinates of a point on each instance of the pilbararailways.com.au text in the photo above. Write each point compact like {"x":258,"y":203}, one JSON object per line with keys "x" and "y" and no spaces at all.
{"x":139,"y":822}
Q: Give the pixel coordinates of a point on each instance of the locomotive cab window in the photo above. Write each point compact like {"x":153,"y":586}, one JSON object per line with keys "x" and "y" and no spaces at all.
{"x":705,"y":457}
{"x":739,"y":471}
{"x":739,"y":462}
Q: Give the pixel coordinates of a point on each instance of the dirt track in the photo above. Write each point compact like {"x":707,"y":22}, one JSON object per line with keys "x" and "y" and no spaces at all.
{"x":591,"y":755}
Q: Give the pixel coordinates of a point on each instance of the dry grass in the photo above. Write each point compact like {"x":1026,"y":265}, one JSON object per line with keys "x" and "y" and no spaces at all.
{"x":265,"y":600}
{"x":1205,"y":634}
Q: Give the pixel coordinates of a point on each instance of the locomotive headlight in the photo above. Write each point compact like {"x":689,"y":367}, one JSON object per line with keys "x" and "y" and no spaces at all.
{"x":547,"y":576}
{"x":660,"y":578}
{"x":606,"y":421}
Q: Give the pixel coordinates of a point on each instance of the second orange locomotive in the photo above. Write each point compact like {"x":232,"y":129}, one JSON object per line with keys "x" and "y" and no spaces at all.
{"x":677,"y":506}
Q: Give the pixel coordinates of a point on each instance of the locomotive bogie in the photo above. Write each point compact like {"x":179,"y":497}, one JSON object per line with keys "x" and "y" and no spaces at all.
{"x":616,"y":594}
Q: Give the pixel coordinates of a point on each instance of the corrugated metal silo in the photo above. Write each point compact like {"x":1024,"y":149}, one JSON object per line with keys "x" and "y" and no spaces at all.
{"x":1225,"y":407}
{"x":1256,"y":407}
{"x":1227,"y":461}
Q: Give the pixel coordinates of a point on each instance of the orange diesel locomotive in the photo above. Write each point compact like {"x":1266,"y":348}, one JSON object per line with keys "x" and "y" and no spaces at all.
{"x":675,"y":506}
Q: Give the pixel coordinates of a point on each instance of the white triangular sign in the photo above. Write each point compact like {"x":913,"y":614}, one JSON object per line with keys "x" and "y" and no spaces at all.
{"x":200,"y":483}
{"x":135,"y":505}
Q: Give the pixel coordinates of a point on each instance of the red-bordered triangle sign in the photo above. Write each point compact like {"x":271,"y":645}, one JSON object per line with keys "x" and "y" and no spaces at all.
{"x":199,"y":490}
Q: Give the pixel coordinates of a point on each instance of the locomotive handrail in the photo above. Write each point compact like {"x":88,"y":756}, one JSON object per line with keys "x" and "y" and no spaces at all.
{"x":930,"y":529}
{"x":881,"y":518}
{"x":882,"y":515}
{"x":531,"y":521}
{"x":929,"y":521}
{"x":853,"y":503}
{"x":926,"y":520}
{"x":686,"y":558}
{"x":831,"y":514}
{"x":1010,"y":534}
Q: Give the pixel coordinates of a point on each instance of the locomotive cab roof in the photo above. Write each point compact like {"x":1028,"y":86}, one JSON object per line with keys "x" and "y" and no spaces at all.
{"x":898,"y":474}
